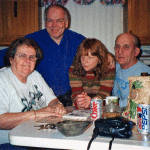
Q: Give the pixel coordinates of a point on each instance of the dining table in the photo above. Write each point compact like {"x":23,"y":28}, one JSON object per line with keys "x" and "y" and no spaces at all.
{"x":30,"y":134}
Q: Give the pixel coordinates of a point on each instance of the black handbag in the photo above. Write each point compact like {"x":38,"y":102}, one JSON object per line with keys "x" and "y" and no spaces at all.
{"x":118,"y":127}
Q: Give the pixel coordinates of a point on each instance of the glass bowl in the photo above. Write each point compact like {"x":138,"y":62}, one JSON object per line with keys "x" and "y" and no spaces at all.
{"x":112,"y":111}
{"x":72,"y":128}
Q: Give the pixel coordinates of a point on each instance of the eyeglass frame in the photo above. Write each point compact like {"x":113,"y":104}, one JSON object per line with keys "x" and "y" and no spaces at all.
{"x":25,"y":58}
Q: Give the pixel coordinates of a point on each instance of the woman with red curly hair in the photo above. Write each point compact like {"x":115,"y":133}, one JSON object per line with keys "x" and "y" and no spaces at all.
{"x":90,"y":75}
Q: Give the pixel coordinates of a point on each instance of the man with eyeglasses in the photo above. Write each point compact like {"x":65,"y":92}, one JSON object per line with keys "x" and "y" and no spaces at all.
{"x":127,"y":49}
{"x":59,"y":45}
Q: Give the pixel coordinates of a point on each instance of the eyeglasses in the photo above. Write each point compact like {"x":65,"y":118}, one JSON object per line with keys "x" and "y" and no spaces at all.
{"x":58,"y":21}
{"x":25,"y":57}
{"x":125,"y":47}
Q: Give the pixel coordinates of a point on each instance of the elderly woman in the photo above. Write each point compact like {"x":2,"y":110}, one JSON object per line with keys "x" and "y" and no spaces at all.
{"x":24,"y":94}
{"x":91,"y":74}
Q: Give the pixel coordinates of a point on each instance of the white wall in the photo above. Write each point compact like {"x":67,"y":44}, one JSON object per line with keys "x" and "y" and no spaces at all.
{"x":96,"y":21}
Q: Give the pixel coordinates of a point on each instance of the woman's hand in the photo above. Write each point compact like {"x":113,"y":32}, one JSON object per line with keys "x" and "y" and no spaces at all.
{"x":10,"y":120}
{"x":59,"y":108}
{"x":83,"y":100}
{"x":45,"y":112}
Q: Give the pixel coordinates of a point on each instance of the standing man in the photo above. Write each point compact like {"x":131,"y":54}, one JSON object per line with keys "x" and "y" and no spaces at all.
{"x":59,"y":46}
{"x":127,"y":48}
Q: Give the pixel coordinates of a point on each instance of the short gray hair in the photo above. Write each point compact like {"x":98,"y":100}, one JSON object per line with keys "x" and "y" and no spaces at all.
{"x":66,"y":11}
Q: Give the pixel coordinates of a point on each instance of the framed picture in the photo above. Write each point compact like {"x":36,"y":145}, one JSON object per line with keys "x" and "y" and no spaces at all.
{"x":145,"y":56}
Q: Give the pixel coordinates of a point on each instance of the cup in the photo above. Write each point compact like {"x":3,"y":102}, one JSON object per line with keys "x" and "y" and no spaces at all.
{"x":112,"y":99}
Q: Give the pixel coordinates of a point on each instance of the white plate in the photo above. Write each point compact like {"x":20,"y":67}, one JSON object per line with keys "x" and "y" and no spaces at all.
{"x":78,"y":115}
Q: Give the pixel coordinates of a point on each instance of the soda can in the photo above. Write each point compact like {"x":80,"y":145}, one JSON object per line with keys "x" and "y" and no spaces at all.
{"x":96,"y":108}
{"x":143,"y":118}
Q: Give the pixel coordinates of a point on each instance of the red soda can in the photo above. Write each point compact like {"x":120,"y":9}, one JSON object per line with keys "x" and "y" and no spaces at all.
{"x":143,"y":118}
{"x":96,"y":108}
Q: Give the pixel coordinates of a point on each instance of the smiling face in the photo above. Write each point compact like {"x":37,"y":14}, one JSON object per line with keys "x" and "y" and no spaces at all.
{"x":126,"y":51}
{"x":56,"y":23}
{"x":22,"y":68}
{"x":89,"y":62}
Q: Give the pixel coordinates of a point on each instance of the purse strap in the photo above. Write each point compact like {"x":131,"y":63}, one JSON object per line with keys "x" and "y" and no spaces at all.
{"x":110,"y":143}
{"x":95,"y":134}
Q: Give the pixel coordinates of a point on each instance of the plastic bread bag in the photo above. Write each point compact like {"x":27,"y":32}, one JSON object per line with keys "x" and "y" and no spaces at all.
{"x":139,"y":87}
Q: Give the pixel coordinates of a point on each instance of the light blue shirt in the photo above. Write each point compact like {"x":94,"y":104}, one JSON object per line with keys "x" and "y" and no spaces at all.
{"x":121,"y":83}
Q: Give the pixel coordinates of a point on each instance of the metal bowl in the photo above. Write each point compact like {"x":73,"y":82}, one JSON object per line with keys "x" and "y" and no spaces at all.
{"x":72,"y":128}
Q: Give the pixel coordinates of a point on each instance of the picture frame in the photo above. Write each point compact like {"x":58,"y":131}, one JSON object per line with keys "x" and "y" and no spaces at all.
{"x":145,"y":55}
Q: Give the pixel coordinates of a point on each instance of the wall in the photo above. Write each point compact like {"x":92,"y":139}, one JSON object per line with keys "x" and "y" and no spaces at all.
{"x":96,"y":21}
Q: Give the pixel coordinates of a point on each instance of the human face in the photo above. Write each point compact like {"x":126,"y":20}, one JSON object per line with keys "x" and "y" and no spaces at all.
{"x":125,"y":51}
{"x":56,"y":23}
{"x":20,"y":67}
{"x":89,"y":62}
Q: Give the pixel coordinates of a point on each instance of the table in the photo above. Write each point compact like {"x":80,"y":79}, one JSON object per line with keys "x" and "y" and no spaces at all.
{"x":26,"y":134}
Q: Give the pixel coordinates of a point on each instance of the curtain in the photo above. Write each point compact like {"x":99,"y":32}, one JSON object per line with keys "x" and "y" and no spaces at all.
{"x":83,"y":2}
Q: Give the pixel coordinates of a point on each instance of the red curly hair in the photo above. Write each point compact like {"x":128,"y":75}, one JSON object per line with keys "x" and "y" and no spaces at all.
{"x":95,"y":48}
